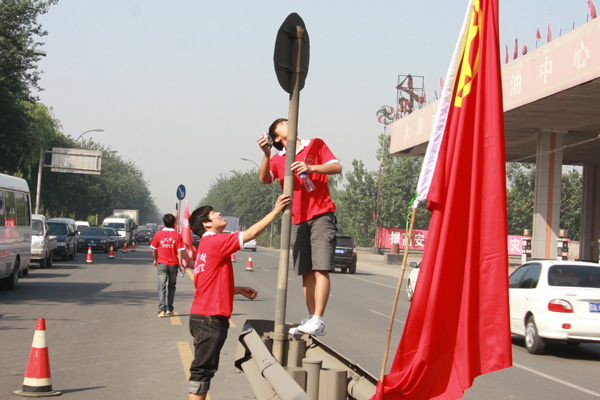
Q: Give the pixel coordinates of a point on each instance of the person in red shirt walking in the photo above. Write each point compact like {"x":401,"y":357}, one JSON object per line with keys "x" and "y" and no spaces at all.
{"x":213,"y":298}
{"x":313,"y":220}
{"x":167,"y":251}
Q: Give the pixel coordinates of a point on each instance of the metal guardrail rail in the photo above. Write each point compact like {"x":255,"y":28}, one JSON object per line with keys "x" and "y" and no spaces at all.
{"x":310,"y":370}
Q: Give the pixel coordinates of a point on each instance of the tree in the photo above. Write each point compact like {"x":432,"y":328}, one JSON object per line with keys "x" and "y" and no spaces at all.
{"x":570,"y":209}
{"x":520,"y":194}
{"x":19,"y":74}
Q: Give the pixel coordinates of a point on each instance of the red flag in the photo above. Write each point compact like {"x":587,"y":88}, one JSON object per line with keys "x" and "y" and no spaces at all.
{"x":538,"y":36}
{"x":186,"y":235}
{"x":458,"y":324}
{"x":506,"y":62}
{"x":592,"y":9}
{"x":549,"y":39}
{"x":516,"y":50}
{"x":524,"y":49}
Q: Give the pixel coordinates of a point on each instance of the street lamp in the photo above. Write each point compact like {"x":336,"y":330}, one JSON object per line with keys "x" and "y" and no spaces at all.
{"x":91,"y":130}
{"x":272,"y":203}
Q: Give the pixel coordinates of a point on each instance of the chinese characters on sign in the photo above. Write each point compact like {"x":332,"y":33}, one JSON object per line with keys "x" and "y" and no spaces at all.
{"x":388,"y":236}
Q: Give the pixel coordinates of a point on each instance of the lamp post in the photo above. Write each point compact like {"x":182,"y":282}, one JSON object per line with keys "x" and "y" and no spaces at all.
{"x":91,"y":130}
{"x":272,"y":202}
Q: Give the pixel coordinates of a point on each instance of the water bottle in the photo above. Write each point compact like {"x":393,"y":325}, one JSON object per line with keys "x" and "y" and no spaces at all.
{"x":307,"y":182}
{"x":182,"y":273}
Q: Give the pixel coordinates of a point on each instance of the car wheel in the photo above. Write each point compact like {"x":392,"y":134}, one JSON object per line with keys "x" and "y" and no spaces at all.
{"x":409,"y":290}
{"x":50,"y":259}
{"x":13,"y":280}
{"x":353,"y":268}
{"x":43,"y":262}
{"x":26,"y":271}
{"x":533,"y":342}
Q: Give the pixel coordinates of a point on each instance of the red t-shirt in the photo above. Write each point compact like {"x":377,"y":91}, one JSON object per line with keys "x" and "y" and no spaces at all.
{"x":305,"y":205}
{"x":213,"y":274}
{"x":168,"y":242}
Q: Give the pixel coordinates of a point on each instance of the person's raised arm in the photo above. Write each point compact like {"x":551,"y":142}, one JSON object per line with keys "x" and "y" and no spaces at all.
{"x":256,"y":229}
{"x":332,"y":168}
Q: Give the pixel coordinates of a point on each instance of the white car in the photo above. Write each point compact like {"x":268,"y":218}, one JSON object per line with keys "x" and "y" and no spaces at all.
{"x":411,"y":282}
{"x":250,"y":245}
{"x":555,"y":301}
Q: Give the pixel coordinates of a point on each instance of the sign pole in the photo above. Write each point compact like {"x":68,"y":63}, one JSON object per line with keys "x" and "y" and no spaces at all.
{"x":291,"y":65}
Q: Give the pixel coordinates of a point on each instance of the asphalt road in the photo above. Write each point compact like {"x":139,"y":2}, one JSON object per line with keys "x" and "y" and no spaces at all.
{"x":105,"y":340}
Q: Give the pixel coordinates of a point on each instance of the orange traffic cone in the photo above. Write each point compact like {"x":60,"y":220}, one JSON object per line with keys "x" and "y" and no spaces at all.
{"x":38,"y":381}
{"x":88,"y":259}
{"x":125,"y":247}
{"x":111,"y":253}
{"x":249,"y":266}
{"x":233,"y":258}
{"x":132,"y":246}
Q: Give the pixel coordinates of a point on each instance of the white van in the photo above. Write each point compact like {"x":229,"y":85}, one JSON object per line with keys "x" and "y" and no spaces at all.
{"x":15,"y":230}
{"x":123,"y":225}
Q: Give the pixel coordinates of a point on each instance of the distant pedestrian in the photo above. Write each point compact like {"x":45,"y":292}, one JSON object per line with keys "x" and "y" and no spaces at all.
{"x":313,"y":220}
{"x":213,"y":299}
{"x":167,"y":251}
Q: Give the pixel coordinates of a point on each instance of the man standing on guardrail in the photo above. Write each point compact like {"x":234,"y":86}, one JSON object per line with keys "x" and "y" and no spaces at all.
{"x":313,"y":219}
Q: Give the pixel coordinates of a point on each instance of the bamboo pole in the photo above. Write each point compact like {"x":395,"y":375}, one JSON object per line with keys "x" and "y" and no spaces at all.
{"x":398,"y":287}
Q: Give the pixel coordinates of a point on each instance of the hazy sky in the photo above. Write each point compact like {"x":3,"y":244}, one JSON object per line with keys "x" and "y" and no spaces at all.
{"x":183,"y":88}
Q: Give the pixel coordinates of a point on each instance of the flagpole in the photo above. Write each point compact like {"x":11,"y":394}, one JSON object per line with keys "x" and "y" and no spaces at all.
{"x":398,"y":287}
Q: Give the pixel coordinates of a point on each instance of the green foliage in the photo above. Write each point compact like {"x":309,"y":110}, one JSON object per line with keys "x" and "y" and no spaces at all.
{"x":520,"y":193}
{"x":19,"y":75}
{"x":570,"y":208}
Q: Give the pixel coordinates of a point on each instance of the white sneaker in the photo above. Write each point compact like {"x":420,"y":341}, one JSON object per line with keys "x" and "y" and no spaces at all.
{"x":315,"y":326}
{"x":294,"y":331}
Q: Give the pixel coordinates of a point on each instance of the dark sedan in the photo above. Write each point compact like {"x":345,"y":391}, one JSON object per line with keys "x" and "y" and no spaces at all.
{"x":94,"y":238}
{"x":144,"y":235}
{"x":345,"y":254}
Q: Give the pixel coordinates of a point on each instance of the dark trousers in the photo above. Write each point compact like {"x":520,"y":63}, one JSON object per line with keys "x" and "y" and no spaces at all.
{"x":209,"y":334}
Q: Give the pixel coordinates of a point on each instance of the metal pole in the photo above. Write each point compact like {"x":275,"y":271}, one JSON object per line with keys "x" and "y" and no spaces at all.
{"x":286,"y":219}
{"x":39,"y":182}
{"x":272,"y":205}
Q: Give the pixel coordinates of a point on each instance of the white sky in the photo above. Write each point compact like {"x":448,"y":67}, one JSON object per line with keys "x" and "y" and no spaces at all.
{"x":183,"y":88}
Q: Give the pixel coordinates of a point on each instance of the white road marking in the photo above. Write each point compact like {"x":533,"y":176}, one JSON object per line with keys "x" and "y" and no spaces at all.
{"x":387,"y":316}
{"x":549,"y":377}
{"x":375,"y":283}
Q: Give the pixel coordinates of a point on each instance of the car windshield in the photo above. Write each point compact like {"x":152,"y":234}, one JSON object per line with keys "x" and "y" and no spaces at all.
{"x":57,"y":228}
{"x":37,"y":227}
{"x":109,"y":232}
{"x":145,"y":231}
{"x":116,"y":225}
{"x":344,"y":241}
{"x":93,"y":232}
{"x":574,"y":275}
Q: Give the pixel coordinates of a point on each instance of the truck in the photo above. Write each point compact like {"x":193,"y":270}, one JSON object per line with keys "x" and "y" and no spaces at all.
{"x":43,"y":244}
{"x":124,"y":225}
{"x":233,"y":224}
{"x":132,"y":214}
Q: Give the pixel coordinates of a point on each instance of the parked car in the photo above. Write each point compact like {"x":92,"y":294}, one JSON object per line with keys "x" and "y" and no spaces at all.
{"x":113,"y":238}
{"x":250,"y":245}
{"x":411,"y":282}
{"x":345,"y":254}
{"x":95,"y":238}
{"x":195,"y":240}
{"x":65,"y":236}
{"x":144,"y":235}
{"x":555,"y":301}
{"x":42,"y":243}
{"x":73,"y":226}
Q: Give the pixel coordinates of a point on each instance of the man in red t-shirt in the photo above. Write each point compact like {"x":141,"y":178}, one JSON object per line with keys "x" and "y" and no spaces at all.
{"x":167,"y":251}
{"x":213,"y":299}
{"x":313,"y":220}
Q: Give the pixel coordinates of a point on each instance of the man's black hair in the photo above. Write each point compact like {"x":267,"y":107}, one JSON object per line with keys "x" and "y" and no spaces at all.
{"x":199,"y":216}
{"x":278,"y":145}
{"x":169,"y":220}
